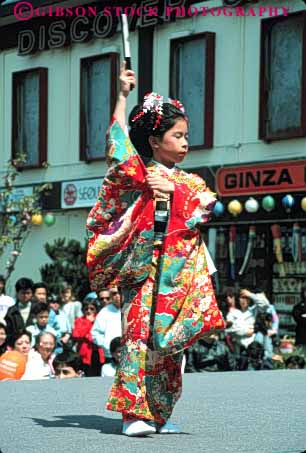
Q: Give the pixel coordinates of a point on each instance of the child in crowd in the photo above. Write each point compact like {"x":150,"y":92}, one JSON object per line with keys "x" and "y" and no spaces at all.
{"x":109,"y":369}
{"x":64,"y":328}
{"x":68,"y":364}
{"x":41,"y":318}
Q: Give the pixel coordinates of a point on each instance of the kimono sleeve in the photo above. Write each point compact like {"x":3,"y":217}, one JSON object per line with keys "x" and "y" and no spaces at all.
{"x":123,"y":183}
{"x":193,"y":201}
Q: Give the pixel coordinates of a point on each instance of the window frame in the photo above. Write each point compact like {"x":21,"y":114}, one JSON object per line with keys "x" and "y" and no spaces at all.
{"x":113,"y":56}
{"x":42,"y":116}
{"x":296,"y":132}
{"x":209,"y":84}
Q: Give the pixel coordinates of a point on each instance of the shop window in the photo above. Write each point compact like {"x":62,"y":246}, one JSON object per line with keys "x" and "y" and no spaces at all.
{"x":30,"y":109}
{"x":98,"y":97}
{"x":282,"y":78}
{"x":192,"y":82}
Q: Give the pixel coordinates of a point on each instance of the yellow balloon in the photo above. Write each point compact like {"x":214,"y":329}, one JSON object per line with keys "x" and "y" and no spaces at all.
{"x":303,"y":203}
{"x":37,"y":219}
{"x":234,"y":207}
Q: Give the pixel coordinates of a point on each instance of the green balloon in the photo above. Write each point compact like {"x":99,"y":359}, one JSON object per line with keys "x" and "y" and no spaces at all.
{"x":268,"y":203}
{"x":49,"y":219}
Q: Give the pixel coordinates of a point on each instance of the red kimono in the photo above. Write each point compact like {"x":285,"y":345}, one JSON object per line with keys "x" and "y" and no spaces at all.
{"x":168,"y":296}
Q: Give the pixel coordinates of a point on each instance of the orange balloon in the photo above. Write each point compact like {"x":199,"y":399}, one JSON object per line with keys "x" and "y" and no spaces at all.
{"x":12,"y":366}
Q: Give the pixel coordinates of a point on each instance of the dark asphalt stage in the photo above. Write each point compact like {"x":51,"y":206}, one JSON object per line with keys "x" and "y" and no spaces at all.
{"x":263,"y":411}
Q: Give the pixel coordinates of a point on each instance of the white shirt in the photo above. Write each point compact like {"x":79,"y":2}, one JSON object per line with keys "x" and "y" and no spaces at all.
{"x":106,"y":327}
{"x":5,"y":303}
{"x":108,"y":370}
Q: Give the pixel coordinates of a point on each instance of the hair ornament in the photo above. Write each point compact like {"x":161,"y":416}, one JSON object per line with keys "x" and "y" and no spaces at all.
{"x":152,"y":102}
{"x":177,"y":104}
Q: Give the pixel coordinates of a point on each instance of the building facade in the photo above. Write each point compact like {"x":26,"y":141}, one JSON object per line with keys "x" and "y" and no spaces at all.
{"x":240,"y":72}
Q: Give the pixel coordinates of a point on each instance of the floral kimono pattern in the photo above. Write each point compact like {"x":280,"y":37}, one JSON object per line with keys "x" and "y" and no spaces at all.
{"x":168,"y":296}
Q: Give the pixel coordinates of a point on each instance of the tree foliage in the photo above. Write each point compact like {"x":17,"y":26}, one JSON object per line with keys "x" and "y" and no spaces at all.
{"x":68,"y":267}
{"x":16,"y":211}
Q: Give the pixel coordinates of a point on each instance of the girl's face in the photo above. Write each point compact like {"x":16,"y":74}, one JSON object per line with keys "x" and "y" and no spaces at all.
{"x":1,"y":286}
{"x":2,"y":336}
{"x":23,"y":345}
{"x":173,"y":146}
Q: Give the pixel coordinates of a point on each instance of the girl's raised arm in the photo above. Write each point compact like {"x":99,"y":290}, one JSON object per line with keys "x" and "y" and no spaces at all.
{"x":127,"y":79}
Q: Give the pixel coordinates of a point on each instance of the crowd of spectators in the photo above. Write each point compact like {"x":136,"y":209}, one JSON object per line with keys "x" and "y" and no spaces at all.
{"x":59,"y":336}
{"x":251,"y":339}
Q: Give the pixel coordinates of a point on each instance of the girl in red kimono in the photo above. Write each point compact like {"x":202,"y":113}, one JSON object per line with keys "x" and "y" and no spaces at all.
{"x":144,"y":237}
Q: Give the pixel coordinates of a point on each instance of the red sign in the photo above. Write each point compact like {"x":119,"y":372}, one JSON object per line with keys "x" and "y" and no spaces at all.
{"x":272,"y":177}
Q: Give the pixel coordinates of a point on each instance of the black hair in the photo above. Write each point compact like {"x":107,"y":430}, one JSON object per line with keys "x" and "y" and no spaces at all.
{"x":40,"y":308}
{"x":142,"y":128}
{"x":229,"y":292}
{"x":68,"y":358}
{"x":40,"y":285}
{"x":115,"y":344}
{"x":90,"y":301}
{"x":24,"y":284}
{"x":261,"y":322}
{"x":53,"y":298}
{"x":4,"y":346}
{"x":19,"y":334}
{"x":296,"y":361}
{"x":2,"y":279}
{"x":255,"y":351}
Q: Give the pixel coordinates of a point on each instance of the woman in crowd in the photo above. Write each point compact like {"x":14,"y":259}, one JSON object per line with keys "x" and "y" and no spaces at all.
{"x":39,"y":365}
{"x":92,"y":356}
{"x":3,"y":338}
{"x":144,"y":237}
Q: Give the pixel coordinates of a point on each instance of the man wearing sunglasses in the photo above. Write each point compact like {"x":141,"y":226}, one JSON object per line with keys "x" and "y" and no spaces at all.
{"x":103,"y":297}
{"x":108,"y":322}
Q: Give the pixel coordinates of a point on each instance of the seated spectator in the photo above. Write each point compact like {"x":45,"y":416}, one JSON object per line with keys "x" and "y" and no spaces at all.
{"x":109,"y":369}
{"x":22,"y":343}
{"x":64,"y":328}
{"x":20,"y":315}
{"x":263,"y":324}
{"x":107,"y":326}
{"x":253,"y":359}
{"x":72,"y":307}
{"x":40,"y":322}
{"x":5,"y":301}
{"x":241,"y":325}
{"x":92,"y":355}
{"x":209,"y":354}
{"x":295,"y":362}
{"x":3,"y":338}
{"x":68,"y":364}
{"x":262,"y":304}
{"x":39,"y":364}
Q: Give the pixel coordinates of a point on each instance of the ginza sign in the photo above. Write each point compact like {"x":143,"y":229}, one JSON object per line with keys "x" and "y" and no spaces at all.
{"x":90,"y":23}
{"x":262,"y":178}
